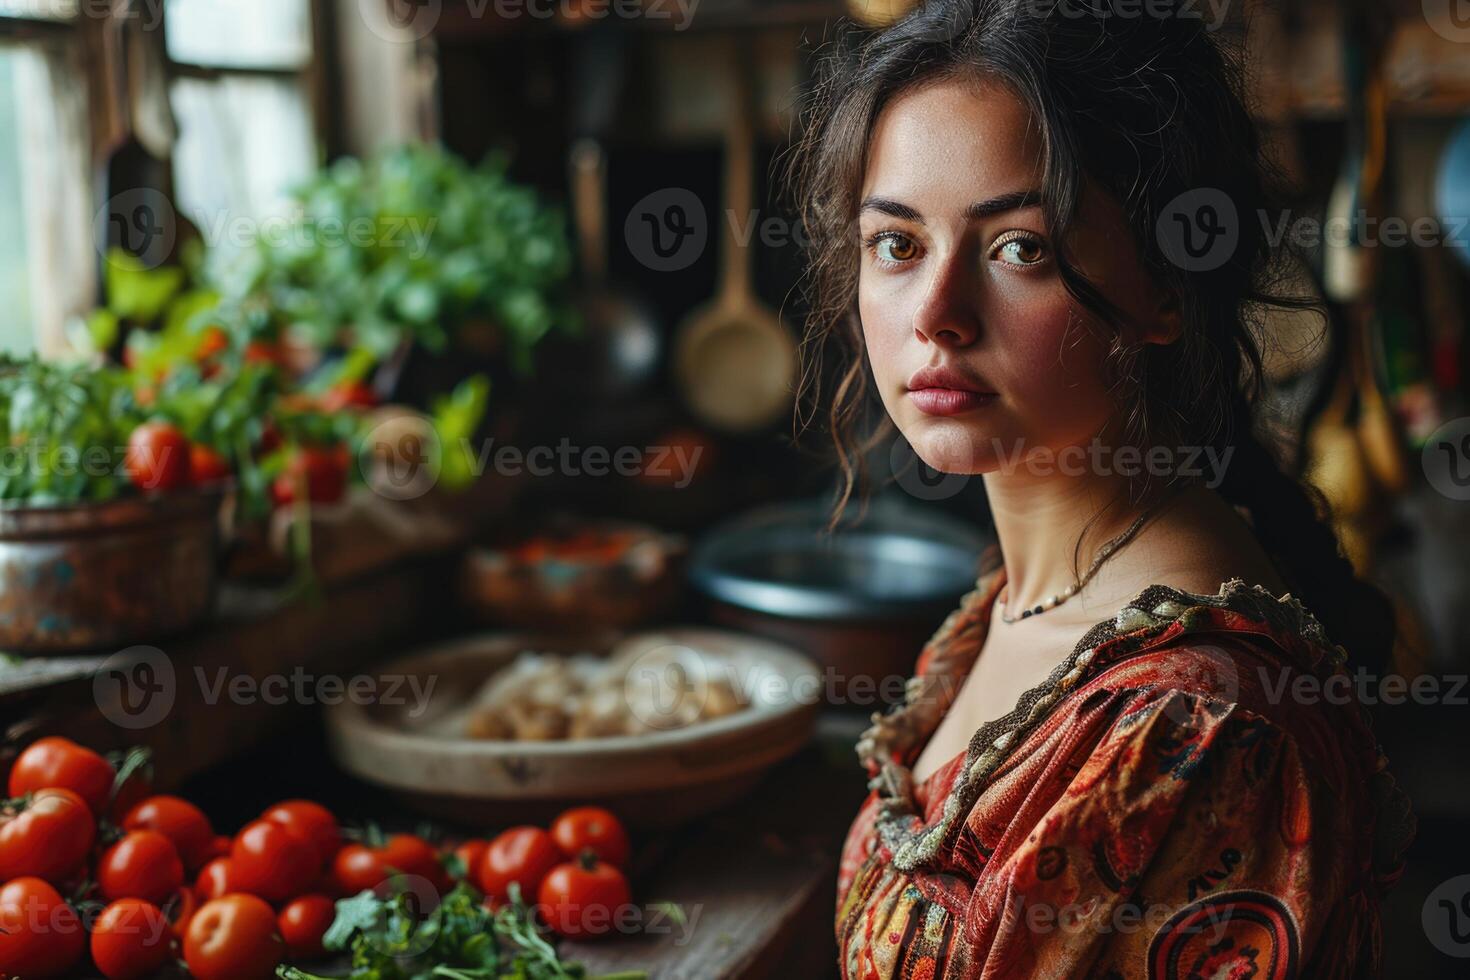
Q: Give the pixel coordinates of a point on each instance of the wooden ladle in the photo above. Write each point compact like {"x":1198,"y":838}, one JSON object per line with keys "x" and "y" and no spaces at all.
{"x":734,"y":360}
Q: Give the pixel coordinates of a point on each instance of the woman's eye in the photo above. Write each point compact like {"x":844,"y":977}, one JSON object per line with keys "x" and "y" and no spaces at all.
{"x":893,"y":248}
{"x":1019,"y":250}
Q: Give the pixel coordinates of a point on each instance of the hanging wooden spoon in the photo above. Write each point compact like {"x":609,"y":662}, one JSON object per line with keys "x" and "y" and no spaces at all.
{"x":734,"y":360}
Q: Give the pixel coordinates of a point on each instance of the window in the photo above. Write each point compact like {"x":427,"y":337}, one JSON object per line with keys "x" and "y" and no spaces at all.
{"x":242,"y":93}
{"x":224,"y":96}
{"x":47,"y":262}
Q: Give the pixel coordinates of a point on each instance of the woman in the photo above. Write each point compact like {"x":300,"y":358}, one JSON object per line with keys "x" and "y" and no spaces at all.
{"x":1105,"y":766}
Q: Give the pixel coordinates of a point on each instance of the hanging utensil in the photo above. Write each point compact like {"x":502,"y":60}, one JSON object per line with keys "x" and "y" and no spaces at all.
{"x":618,"y":349}
{"x":620,"y":336}
{"x":734,"y":360}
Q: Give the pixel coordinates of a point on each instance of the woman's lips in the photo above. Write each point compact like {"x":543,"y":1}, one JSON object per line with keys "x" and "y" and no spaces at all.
{"x":949,"y":401}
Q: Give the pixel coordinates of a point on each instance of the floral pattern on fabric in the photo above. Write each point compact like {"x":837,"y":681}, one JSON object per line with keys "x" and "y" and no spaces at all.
{"x":1156,"y":809}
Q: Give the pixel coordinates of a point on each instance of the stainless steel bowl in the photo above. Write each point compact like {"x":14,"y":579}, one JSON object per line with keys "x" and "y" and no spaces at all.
{"x":861,"y":601}
{"x":106,"y":574}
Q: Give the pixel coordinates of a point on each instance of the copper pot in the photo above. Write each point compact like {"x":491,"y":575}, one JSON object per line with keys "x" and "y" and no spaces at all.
{"x":108,"y":574}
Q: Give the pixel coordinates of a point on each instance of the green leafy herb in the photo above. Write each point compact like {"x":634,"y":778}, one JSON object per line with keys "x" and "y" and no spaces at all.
{"x":393,"y":939}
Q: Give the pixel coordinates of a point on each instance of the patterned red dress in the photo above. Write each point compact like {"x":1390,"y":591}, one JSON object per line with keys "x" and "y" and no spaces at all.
{"x":1173,"y":801}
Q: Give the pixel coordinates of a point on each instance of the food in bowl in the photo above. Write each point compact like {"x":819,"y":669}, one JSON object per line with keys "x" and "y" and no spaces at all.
{"x":648,"y":684}
{"x":604,"y":575}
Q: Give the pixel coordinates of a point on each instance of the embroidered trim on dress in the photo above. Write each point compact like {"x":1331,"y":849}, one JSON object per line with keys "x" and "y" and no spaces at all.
{"x":928,"y":697}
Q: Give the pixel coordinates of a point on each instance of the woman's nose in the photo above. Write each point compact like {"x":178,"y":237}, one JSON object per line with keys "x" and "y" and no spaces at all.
{"x":948,"y":315}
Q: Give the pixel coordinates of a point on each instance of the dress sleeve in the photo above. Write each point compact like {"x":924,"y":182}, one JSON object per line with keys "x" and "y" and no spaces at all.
{"x":1190,"y":842}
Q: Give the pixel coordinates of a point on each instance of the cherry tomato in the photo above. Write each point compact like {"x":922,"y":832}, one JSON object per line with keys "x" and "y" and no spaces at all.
{"x":217,"y":878}
{"x":206,"y":466}
{"x":470,"y":854}
{"x":580,"y":899}
{"x":157,"y":457}
{"x":303,"y":923}
{"x":524,"y":855}
{"x":273,"y":862}
{"x":180,"y":821}
{"x":40,"y":935}
{"x":220,"y":847}
{"x":180,"y":909}
{"x":144,"y":864}
{"x":212,"y":340}
{"x":47,"y":838}
{"x":322,"y":469}
{"x":349,"y":394}
{"x":56,"y":761}
{"x":261,"y":352}
{"x":130,"y":939}
{"x":591,"y":828}
{"x":233,"y":938}
{"x":358,"y":866}
{"x":310,"y":821}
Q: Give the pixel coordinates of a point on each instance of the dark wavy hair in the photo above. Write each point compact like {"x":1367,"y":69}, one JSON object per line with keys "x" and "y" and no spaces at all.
{"x":1149,"y":108}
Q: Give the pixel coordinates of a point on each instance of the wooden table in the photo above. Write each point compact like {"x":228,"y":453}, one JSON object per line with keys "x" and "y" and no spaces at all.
{"x":756,"y":883}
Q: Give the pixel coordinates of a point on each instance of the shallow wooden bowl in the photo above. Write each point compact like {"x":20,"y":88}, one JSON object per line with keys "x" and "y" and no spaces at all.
{"x":662,"y":778}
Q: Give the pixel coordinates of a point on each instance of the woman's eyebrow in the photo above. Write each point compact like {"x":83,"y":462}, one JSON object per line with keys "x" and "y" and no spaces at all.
{"x":1013,"y":201}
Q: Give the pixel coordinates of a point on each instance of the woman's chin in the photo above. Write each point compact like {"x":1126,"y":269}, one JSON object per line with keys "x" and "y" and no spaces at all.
{"x":953,"y":448}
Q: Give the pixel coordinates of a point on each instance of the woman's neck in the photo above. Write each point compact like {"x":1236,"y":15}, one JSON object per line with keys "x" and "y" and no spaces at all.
{"x":1038,"y":520}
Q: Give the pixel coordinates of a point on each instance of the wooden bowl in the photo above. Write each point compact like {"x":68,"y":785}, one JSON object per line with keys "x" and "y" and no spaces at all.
{"x":662,"y":778}
{"x":502,"y":587}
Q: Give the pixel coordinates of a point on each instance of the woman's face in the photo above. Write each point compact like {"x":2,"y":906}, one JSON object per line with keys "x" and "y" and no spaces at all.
{"x":979,"y":352}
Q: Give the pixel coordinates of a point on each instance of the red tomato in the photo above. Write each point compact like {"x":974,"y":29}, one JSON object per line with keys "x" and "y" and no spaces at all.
{"x":359,"y":867}
{"x":216,"y":879}
{"x":233,"y":938}
{"x":323,"y":471}
{"x":40,"y":935}
{"x":49,"y":837}
{"x":212,"y":340}
{"x":57,"y":761}
{"x":206,"y":466}
{"x":261,"y":352}
{"x":273,"y":862}
{"x":581,"y":899}
{"x":157,"y":457}
{"x":310,"y":821}
{"x":221,"y":846}
{"x":524,"y":855}
{"x":591,"y":828}
{"x":130,"y":939}
{"x":303,"y":923}
{"x":144,"y":864}
{"x":180,"y":821}
{"x":180,"y":909}
{"x":470,"y":854}
{"x":349,"y":394}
